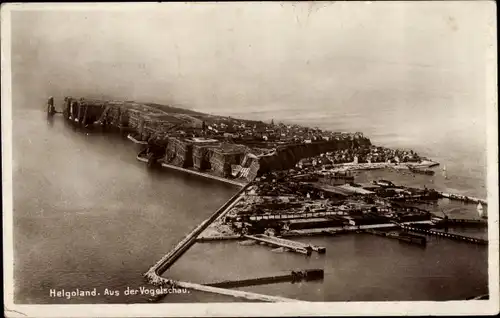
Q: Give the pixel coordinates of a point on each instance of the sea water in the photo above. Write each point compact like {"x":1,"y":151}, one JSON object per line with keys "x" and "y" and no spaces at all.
{"x":88,"y":215}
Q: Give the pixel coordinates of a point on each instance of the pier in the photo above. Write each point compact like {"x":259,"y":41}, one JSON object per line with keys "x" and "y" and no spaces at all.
{"x":291,"y":245}
{"x":292,"y":216}
{"x":452,"y":236}
{"x":154,"y":273}
{"x":315,"y":274}
{"x":203,"y":239}
{"x":463,"y":198}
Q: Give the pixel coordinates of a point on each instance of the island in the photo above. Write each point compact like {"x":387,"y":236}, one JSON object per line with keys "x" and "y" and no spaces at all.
{"x":293,"y":181}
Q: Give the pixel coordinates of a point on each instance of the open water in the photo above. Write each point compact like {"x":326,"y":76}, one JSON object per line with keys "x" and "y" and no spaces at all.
{"x":88,"y":215}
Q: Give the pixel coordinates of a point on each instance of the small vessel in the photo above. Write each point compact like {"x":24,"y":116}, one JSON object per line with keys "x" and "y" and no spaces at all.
{"x":444,"y":172}
{"x":421,"y":171}
{"x":384,"y":183}
{"x":480,"y":210}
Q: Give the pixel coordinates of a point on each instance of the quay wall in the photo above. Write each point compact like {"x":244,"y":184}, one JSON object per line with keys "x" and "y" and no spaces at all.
{"x":153,"y":274}
{"x":452,"y":236}
{"x":463,"y":198}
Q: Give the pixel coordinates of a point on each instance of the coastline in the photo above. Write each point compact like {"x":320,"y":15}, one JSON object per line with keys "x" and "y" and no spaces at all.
{"x":272,"y":162}
{"x":196,"y":173}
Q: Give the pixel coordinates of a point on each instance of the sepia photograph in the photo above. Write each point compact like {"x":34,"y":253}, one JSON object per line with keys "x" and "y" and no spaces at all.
{"x":250,"y":158}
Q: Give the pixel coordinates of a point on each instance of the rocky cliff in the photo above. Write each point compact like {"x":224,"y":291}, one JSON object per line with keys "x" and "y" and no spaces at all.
{"x":286,"y":157}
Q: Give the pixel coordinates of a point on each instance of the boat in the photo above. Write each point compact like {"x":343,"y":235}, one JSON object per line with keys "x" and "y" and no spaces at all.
{"x":426,"y":164}
{"x":444,"y":172}
{"x":433,"y":164}
{"x":384,"y":183}
{"x":421,"y":171}
{"x":409,"y":238}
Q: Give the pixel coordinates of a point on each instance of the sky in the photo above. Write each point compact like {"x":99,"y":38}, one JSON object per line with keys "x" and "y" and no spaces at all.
{"x":407,"y":74}
{"x":223,"y":57}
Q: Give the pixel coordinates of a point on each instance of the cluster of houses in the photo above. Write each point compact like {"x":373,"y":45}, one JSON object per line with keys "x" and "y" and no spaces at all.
{"x":243,"y":131}
{"x":365,"y":154}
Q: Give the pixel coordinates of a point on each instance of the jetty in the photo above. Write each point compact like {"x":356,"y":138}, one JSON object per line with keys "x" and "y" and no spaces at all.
{"x":288,"y":244}
{"x":205,"y":175}
{"x":154,"y":273}
{"x":196,"y":173}
{"x":463,"y":198}
{"x":456,"y":237}
{"x":204,"y":239}
{"x":294,"y":276}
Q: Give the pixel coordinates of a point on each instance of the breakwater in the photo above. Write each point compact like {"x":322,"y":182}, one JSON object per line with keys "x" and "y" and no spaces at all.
{"x":287,"y":244}
{"x":294,"y":276}
{"x":197,"y":173}
{"x":463,"y":198}
{"x":205,"y":175}
{"x":452,"y":236}
{"x":153,"y":274}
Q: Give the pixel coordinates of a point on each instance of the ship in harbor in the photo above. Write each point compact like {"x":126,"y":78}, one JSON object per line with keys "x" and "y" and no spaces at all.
{"x":445,"y":175}
{"x":421,"y":171}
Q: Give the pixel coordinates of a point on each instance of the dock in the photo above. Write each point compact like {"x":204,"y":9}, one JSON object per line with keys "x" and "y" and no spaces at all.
{"x":204,"y":239}
{"x":456,"y":237}
{"x":332,"y":231}
{"x":292,"y":216}
{"x":315,"y":274}
{"x":288,"y":244}
{"x":463,"y":198}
